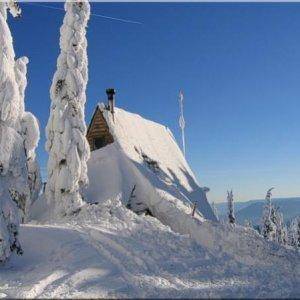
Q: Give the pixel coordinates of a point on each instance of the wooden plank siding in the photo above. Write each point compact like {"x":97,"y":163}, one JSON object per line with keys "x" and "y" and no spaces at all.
{"x":98,"y":128}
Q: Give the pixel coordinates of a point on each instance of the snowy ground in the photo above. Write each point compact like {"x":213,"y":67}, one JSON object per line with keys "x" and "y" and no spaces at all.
{"x":108,"y":251}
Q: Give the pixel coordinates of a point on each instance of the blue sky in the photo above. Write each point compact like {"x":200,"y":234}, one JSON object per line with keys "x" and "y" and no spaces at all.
{"x":238,"y":65}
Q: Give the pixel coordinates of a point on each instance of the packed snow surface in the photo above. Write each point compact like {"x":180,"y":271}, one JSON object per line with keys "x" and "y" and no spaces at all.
{"x":106,"y":250}
{"x":109,"y":251}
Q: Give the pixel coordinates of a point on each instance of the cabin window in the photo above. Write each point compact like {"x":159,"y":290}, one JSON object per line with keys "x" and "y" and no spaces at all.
{"x":99,"y":142}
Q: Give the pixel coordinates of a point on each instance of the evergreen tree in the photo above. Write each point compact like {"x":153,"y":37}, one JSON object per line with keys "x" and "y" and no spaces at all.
{"x":298,"y":234}
{"x":268,"y":228}
{"x":29,"y":129}
{"x":294,"y":233}
{"x":231,"y":217}
{"x":277,"y":220}
{"x":66,"y":130}
{"x":291,"y":235}
{"x":13,"y":171}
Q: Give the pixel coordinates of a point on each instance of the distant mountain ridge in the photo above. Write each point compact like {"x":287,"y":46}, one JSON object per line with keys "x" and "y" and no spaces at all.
{"x":252,"y":209}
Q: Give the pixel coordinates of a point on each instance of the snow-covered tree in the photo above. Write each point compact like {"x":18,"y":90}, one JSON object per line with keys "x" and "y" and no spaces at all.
{"x":29,"y":129}
{"x":294,"y":233}
{"x":214,"y":208}
{"x":298,"y":233}
{"x":291,"y":235}
{"x":280,"y":228}
{"x":21,"y":79}
{"x":268,"y":228}
{"x":31,"y":136}
{"x":9,"y":92}
{"x":13,"y":171}
{"x":231,"y":217}
{"x":66,"y":142}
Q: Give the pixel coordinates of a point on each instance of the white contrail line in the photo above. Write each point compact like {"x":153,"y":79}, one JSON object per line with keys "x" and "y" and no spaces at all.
{"x":117,"y":19}
{"x":95,"y":15}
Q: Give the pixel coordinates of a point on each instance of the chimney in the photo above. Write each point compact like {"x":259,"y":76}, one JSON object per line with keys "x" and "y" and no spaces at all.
{"x":111,"y":99}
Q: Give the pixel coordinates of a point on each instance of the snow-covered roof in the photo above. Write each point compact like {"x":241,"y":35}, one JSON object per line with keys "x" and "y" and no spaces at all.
{"x":143,"y":149}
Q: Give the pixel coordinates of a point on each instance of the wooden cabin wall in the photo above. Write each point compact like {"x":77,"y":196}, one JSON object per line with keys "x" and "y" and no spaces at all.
{"x":98,"y":129}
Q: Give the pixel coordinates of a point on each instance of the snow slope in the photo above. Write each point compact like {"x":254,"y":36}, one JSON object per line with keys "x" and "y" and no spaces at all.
{"x":134,"y":139}
{"x":118,"y":176}
{"x":108,"y":251}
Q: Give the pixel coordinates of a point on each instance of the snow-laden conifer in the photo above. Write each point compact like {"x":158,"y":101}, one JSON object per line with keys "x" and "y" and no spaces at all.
{"x":9,"y":92}
{"x":31,"y":135}
{"x":66,"y":142}
{"x":214,"y":208}
{"x":21,"y":79}
{"x":280,"y":229}
{"x":13,"y":171}
{"x":231,"y":217}
{"x":294,"y":233}
{"x":29,"y":129}
{"x":298,"y":233}
{"x":268,"y":228}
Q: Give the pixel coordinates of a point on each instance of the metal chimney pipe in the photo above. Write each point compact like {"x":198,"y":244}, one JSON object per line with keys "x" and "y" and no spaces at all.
{"x":111,"y":99}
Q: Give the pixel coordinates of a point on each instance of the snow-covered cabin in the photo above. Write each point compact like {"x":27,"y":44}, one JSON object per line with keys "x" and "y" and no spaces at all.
{"x":139,"y":161}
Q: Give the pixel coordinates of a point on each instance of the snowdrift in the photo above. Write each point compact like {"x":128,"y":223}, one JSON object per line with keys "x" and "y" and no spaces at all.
{"x":119,"y":170}
{"x":107,"y":251}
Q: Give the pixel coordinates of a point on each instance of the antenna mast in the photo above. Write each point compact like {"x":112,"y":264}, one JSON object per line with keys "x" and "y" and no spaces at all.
{"x":181,"y":120}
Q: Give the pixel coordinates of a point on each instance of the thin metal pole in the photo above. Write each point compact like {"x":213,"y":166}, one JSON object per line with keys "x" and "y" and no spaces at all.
{"x":182,"y":121}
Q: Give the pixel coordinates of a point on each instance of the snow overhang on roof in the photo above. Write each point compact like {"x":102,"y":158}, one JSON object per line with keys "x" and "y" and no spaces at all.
{"x":152,"y":145}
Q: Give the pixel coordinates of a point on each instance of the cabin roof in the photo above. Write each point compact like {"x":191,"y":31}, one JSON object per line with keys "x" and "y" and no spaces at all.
{"x":144,"y":140}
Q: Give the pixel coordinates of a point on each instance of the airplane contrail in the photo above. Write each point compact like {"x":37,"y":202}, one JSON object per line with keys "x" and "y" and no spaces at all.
{"x":92,"y":14}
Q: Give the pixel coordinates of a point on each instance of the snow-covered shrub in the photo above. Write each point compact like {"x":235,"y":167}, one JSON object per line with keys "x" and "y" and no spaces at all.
{"x":66,"y":142}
